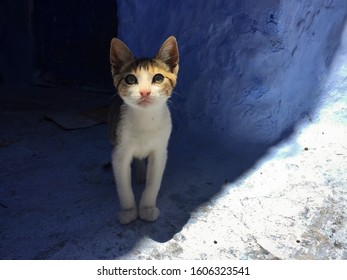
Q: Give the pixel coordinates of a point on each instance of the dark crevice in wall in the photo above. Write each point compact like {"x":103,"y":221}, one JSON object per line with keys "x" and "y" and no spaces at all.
{"x":57,"y":43}
{"x":72,"y":42}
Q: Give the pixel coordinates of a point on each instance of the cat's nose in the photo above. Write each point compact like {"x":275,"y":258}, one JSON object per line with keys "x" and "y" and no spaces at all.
{"x":145,"y":92}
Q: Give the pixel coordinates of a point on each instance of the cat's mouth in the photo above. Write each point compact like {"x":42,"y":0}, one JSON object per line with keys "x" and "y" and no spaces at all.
{"x":145,"y":101}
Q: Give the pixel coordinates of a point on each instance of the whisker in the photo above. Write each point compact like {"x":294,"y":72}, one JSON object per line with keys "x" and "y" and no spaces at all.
{"x":176,"y":92}
{"x":171,"y":105}
{"x":177,"y":95}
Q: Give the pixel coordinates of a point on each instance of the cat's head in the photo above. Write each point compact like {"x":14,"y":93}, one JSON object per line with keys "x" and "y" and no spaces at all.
{"x":144,"y":82}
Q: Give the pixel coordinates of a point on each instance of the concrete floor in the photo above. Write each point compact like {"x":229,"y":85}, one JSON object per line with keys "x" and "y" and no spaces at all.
{"x":58,"y":201}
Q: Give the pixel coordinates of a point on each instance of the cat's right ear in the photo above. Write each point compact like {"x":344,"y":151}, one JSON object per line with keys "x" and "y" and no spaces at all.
{"x":168,"y":53}
{"x":119,"y":55}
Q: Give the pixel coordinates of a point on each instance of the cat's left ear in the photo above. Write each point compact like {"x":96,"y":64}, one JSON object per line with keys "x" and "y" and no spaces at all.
{"x":168,"y":53}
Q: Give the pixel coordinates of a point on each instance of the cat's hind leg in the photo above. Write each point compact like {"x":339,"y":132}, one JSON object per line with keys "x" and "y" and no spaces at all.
{"x":140,"y":171}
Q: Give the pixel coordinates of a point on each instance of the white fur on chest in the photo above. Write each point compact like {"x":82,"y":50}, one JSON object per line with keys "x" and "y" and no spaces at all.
{"x":144,"y":131}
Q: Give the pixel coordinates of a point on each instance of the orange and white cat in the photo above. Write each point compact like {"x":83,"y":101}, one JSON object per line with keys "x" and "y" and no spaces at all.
{"x":141,"y":127}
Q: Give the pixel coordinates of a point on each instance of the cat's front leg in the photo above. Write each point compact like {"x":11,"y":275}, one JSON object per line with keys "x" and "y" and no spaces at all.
{"x":155,"y":169}
{"x":121,"y":163}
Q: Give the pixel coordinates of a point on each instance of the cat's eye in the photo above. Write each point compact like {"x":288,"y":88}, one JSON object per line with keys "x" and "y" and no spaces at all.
{"x":158,"y":78}
{"x":130,"y":79}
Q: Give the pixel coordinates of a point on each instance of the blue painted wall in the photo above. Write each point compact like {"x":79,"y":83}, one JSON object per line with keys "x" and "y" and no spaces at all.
{"x":249,"y":69}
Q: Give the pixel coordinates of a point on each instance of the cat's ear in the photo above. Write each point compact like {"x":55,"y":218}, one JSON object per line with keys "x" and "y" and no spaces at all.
{"x":168,"y":53}
{"x":119,"y":55}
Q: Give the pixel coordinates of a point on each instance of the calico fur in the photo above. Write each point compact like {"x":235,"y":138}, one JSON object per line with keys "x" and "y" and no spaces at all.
{"x":140,"y":124}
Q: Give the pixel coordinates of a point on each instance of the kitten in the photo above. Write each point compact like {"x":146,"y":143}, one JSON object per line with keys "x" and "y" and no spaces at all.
{"x":141,"y":127}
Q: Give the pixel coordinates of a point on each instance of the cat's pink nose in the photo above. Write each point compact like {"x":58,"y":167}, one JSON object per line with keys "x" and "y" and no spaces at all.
{"x":145,"y":92}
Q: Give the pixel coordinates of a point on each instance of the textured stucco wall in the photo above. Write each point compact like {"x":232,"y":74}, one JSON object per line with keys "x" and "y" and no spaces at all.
{"x":248,"y":69}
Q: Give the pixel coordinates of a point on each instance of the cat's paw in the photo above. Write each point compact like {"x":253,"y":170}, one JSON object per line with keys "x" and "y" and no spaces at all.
{"x":149,"y":214}
{"x":127,"y":216}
